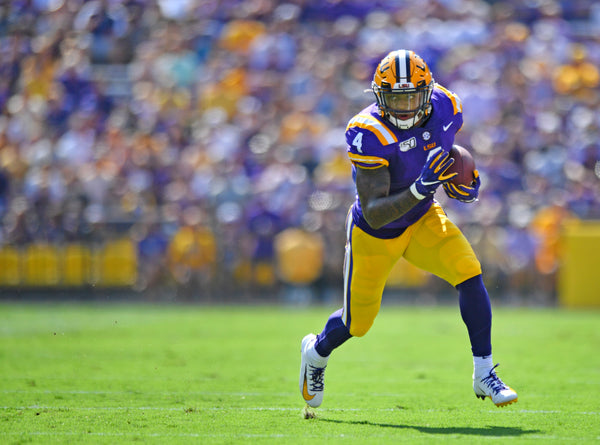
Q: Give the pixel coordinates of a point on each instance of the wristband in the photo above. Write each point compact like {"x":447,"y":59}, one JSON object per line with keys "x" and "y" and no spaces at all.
{"x":416,"y":194}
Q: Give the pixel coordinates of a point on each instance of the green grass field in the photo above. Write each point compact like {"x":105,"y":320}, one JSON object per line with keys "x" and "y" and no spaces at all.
{"x":120,"y":373}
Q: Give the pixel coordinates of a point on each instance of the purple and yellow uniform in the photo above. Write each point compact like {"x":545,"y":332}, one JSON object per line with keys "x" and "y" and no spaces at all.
{"x":373,"y":143}
{"x":423,"y":235}
{"x":399,"y":148}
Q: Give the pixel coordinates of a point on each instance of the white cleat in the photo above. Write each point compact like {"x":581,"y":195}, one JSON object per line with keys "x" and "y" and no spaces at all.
{"x":491,"y":386}
{"x":311,"y":374}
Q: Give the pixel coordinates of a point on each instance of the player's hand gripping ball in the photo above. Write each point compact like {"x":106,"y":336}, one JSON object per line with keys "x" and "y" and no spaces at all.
{"x":433,"y":174}
{"x":465,"y":185}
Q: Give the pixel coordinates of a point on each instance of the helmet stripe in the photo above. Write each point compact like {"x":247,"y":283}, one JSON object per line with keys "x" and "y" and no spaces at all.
{"x":403,"y":66}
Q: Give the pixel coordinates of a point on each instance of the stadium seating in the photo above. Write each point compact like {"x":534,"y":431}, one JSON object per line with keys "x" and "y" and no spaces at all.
{"x":77,"y":266}
{"x":299,"y":256}
{"x":115,"y":264}
{"x":41,"y":265}
{"x":10,"y":268}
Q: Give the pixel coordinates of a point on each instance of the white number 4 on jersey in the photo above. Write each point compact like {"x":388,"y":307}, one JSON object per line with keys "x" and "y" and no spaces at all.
{"x":357,"y":142}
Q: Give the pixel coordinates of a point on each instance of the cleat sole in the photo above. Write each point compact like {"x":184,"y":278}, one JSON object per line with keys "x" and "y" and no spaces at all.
{"x":499,"y":405}
{"x":502,"y":405}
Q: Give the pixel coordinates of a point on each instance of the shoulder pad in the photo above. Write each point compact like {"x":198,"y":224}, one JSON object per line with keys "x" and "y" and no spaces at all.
{"x":384,"y":135}
{"x":456,"y":102}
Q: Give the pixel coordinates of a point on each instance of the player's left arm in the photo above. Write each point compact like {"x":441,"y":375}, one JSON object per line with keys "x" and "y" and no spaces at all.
{"x":464,"y":193}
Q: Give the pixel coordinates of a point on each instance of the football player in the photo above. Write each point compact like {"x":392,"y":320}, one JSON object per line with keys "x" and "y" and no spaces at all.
{"x":399,"y":150}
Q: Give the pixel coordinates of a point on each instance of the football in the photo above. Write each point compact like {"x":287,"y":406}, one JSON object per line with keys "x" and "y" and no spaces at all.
{"x":464,"y":165}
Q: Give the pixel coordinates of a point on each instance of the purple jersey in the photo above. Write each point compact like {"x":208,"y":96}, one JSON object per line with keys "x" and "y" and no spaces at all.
{"x":373,"y":142}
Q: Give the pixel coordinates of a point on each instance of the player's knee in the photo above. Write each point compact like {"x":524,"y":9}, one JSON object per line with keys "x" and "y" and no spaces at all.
{"x":360,"y":329}
{"x":465,"y":268}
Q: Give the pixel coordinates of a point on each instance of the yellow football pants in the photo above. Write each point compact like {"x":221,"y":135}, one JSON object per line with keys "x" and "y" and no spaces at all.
{"x":434,"y":243}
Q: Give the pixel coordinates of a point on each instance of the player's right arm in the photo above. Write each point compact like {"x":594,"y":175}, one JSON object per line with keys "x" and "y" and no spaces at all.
{"x":378,"y":206}
{"x":369,"y":142}
{"x":373,"y":187}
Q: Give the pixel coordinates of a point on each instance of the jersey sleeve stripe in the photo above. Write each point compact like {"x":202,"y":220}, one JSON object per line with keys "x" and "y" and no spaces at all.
{"x":456,"y":102}
{"x":371,"y":124}
{"x":372,"y":161}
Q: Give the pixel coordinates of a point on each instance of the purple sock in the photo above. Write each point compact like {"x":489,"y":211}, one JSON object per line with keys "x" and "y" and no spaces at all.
{"x":334,"y":334}
{"x":476,"y":312}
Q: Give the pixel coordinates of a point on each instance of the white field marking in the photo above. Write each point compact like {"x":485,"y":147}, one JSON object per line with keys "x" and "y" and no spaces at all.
{"x":160,"y":408}
{"x":266,"y":408}
{"x":540,"y":411}
{"x":245,"y":436}
{"x":146,"y":408}
{"x":187,"y":393}
{"x":527,"y":411}
{"x":160,"y":393}
{"x":136,"y":434}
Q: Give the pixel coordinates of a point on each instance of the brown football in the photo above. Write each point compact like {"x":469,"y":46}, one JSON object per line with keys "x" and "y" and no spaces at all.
{"x":464,"y":165}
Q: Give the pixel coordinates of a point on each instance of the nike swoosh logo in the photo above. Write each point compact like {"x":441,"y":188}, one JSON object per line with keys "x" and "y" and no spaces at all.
{"x":305,"y":393}
{"x":424,"y":183}
{"x":445,"y":127}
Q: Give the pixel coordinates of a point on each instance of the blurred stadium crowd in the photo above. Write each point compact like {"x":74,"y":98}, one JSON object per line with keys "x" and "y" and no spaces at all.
{"x":210,"y":134}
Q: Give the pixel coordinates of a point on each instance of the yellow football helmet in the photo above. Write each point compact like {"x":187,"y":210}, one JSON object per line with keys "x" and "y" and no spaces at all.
{"x":403,"y":85}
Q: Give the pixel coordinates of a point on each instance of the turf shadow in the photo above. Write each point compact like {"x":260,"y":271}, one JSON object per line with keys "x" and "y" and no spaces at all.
{"x":482,"y":431}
